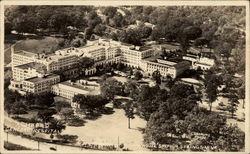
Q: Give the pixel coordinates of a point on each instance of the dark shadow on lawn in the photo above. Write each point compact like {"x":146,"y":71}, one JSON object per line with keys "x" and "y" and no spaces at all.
{"x":229,"y":115}
{"x":142,"y":130}
{"x":93,"y":116}
{"x":12,"y":38}
{"x":98,"y":113}
{"x":107,"y":110}
{"x":77,"y":122}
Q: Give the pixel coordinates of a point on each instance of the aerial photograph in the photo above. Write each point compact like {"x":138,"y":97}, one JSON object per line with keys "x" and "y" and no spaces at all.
{"x":142,"y":78}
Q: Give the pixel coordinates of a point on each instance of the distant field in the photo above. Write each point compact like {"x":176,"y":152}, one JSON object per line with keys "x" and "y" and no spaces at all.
{"x":46,"y":45}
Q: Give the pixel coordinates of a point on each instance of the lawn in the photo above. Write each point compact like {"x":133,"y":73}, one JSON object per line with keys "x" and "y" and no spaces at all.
{"x":7,"y":55}
{"x":106,"y":130}
{"x":45,"y":45}
{"x":35,"y":45}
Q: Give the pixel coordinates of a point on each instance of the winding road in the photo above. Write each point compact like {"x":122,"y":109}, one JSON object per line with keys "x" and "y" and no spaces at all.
{"x":41,"y":145}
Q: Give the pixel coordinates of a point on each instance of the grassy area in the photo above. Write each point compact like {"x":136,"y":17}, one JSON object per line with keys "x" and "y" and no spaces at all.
{"x":106,"y":130}
{"x":7,"y":56}
{"x":45,"y":45}
{"x":12,"y":146}
{"x":36,"y":44}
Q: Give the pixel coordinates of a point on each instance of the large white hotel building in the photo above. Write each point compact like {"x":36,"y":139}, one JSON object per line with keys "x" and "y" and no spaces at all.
{"x":34,"y":72}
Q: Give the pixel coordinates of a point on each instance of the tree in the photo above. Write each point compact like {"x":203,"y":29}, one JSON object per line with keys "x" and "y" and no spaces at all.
{"x":131,"y":89}
{"x":200,"y":142}
{"x":24,"y":24}
{"x":84,"y":63}
{"x":211,"y":90}
{"x":238,"y":55}
{"x":157,"y":76}
{"x":212,"y":82}
{"x":93,"y":19}
{"x":110,"y":11}
{"x":18,"y":107}
{"x":131,"y":36}
{"x":148,"y":101}
{"x":76,"y":43}
{"x":182,"y":91}
{"x":46,"y":99}
{"x":111,"y":87}
{"x":192,"y":32}
{"x":200,"y":42}
{"x":45,"y":116}
{"x":180,"y":128}
{"x":156,"y":130}
{"x":169,"y":82}
{"x":7,"y":28}
{"x":145,"y":31}
{"x":223,"y":49}
{"x":99,"y":29}
{"x":202,"y":121}
{"x":232,"y":139}
{"x":232,"y":103}
{"x":66,"y":113}
{"x":138,"y":75}
{"x":117,"y":20}
{"x":56,"y":126}
{"x":88,"y":103}
{"x":88,"y":32}
{"x":176,"y":107}
{"x":34,"y":120}
{"x":232,"y":93}
{"x":58,"y":22}
{"x":61,"y":104}
{"x":129,"y":111}
{"x":241,"y":93}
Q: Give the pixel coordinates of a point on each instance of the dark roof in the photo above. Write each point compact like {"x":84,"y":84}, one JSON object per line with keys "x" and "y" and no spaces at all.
{"x":37,"y":79}
{"x":30,"y":65}
{"x":182,"y":64}
{"x":34,"y":65}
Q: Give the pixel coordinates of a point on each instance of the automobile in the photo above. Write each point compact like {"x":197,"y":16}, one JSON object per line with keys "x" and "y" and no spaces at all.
{"x":53,"y":148}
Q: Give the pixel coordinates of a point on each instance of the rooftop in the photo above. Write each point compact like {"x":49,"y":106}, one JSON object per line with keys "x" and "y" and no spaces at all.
{"x":191,"y":80}
{"x":37,"y":79}
{"x":25,"y":53}
{"x":143,"y":48}
{"x":177,"y":63}
{"x":152,"y":58}
{"x":33,"y":65}
{"x":92,"y":47}
{"x":126,"y":44}
{"x":75,"y":85}
{"x":182,"y":64}
{"x":205,"y":64}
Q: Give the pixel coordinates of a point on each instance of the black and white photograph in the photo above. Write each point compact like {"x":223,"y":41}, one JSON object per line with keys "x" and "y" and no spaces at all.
{"x":119,"y":77}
